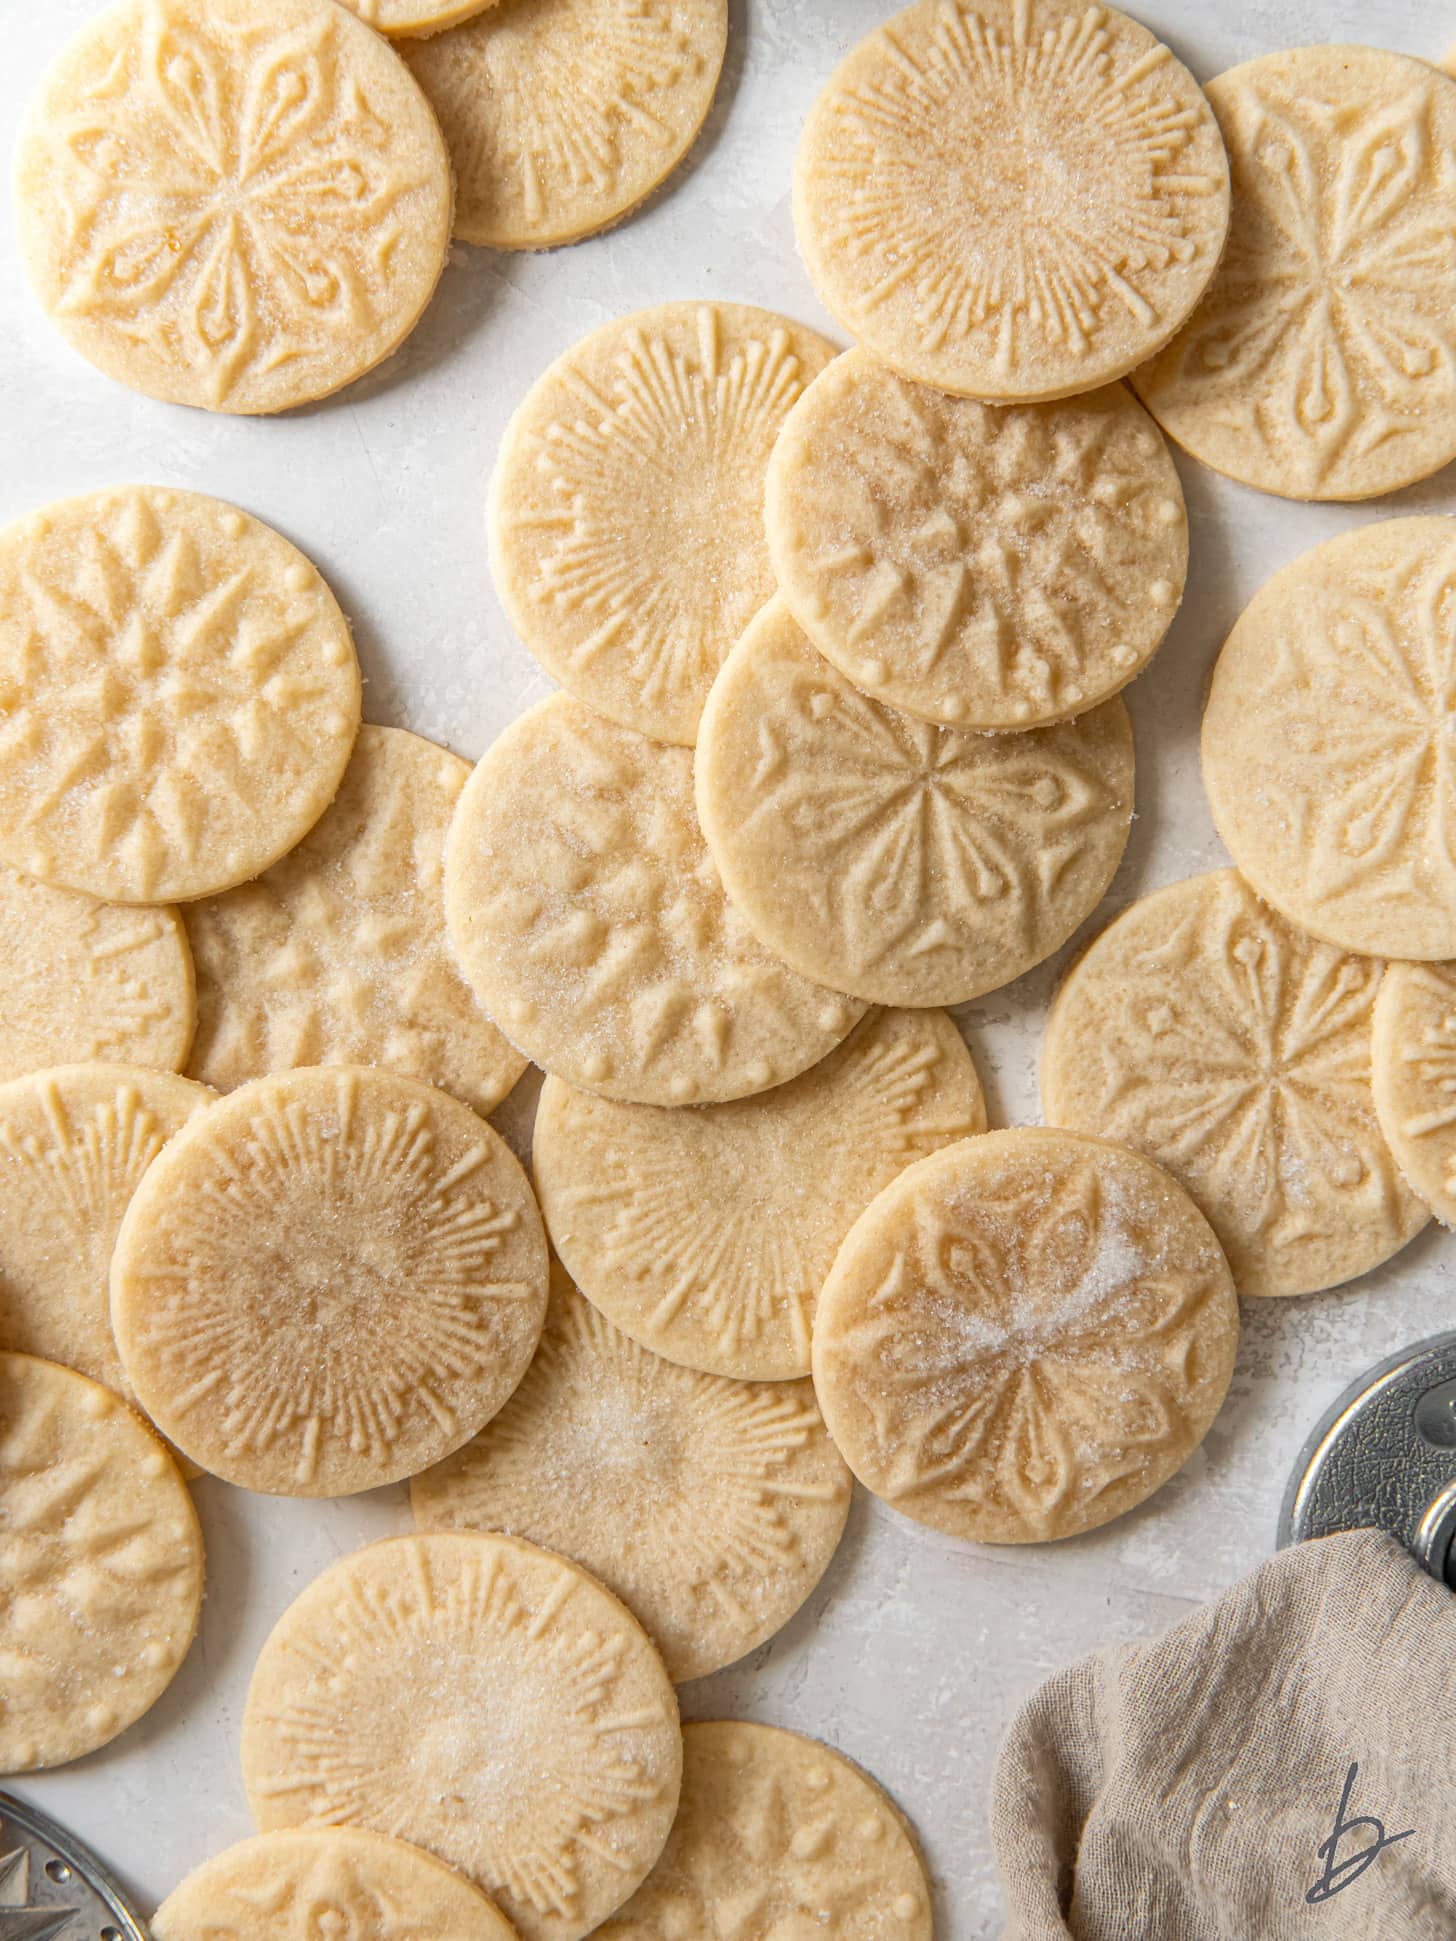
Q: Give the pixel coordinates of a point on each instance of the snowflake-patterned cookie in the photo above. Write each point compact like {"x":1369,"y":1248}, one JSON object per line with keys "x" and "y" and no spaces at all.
{"x":711,"y":1507}
{"x":1024,"y":1336}
{"x":562,"y":115}
{"x":1415,"y":1078}
{"x":1011,"y":199}
{"x":706,"y":1235}
{"x":1328,"y":739}
{"x":586,"y":913}
{"x":626,"y":509}
{"x":86,"y":980}
{"x":100,"y":1566}
{"x":327,"y":1884}
{"x":981,"y":566}
{"x":902,"y":862}
{"x":237,"y":204}
{"x":778,"y":1836}
{"x":1322,"y":362}
{"x":178,"y":695}
{"x":327,"y":1281}
{"x":1234,"y":1049}
{"x":483,"y":1699}
{"x":337,"y":954}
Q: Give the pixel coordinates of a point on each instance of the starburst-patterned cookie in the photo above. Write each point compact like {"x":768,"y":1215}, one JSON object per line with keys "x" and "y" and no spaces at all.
{"x":1322,"y":362}
{"x":1328,"y":735}
{"x":178,"y":695}
{"x":1226,"y":1044}
{"x":778,"y":1836}
{"x":562,"y":115}
{"x":706,"y":1235}
{"x":1011,"y":199}
{"x":905,"y":863}
{"x":328,"y":1280}
{"x":586,"y":913}
{"x":237,"y":204}
{"x":337,"y":955}
{"x":1415,"y":1078}
{"x":328,"y":1884}
{"x":483,"y":1699}
{"x":86,"y":980}
{"x":626,"y":509}
{"x":982,"y":566}
{"x":1024,"y":1336}
{"x":711,"y":1507}
{"x":102,"y":1566}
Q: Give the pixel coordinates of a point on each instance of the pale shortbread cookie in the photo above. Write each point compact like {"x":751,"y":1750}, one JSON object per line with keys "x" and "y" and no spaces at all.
{"x":1415,"y":1078}
{"x":327,"y":1281}
{"x":81,"y":979}
{"x":1011,"y":199}
{"x":711,"y":1507}
{"x":237,"y":204}
{"x":778,"y":1836}
{"x":338,"y":955}
{"x":585,"y":911}
{"x":983,"y":566}
{"x":1024,"y":1336}
{"x":707,"y":1234}
{"x":481,"y":1698}
{"x":101,"y":1578}
{"x":1326,"y":740}
{"x":74,"y":1144}
{"x":1226,"y":1044}
{"x":1322,"y":362}
{"x":399,"y":18}
{"x":178,"y":695}
{"x":335,"y":1883}
{"x":887,"y":857}
{"x":562,"y":115}
{"x":626,"y":507}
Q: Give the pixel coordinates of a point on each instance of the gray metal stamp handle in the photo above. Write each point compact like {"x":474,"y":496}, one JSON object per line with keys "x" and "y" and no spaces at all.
{"x":54,"y":1889}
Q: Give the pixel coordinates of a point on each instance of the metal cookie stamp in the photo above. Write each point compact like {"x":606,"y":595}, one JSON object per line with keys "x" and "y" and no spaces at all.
{"x":1384,"y":1455}
{"x":51,"y":1886}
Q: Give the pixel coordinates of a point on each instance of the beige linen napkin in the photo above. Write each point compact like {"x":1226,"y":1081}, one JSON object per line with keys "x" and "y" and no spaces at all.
{"x":1191,"y":1789}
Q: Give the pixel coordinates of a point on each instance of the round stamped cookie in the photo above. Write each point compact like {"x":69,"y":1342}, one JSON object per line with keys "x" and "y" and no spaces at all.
{"x":1322,"y":362}
{"x":102,"y":1572}
{"x":1415,"y":1078}
{"x":481,"y":1698}
{"x":981,"y":566}
{"x":332,"y":1881}
{"x":899,"y":861}
{"x":74,"y":1144}
{"x":328,"y":1280}
{"x":85,"y":980}
{"x":236,"y":204}
{"x":626,"y":507}
{"x":399,"y":18}
{"x":1326,"y":737}
{"x":706,"y":1235}
{"x":338,"y":955}
{"x":562,"y":115}
{"x":1025,"y":1336}
{"x":1226,"y":1044}
{"x":711,"y":1507}
{"x":1011,"y":199}
{"x":780,"y":1830}
{"x":585,"y":911}
{"x":178,"y":695}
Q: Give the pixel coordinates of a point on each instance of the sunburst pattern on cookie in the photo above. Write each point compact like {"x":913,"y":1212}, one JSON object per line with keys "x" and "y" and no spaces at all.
{"x":482,"y":1699}
{"x":231,"y":206}
{"x":711,"y":1507}
{"x":330,"y":1281}
{"x":627,"y":508}
{"x":1011,"y":196}
{"x":1415,"y":1078}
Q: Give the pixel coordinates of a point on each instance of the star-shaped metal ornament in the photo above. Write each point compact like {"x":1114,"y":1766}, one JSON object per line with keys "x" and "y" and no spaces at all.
{"x":52,"y":1888}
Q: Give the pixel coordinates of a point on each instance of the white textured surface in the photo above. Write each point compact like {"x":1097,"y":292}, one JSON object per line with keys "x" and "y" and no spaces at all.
{"x":915,"y":1651}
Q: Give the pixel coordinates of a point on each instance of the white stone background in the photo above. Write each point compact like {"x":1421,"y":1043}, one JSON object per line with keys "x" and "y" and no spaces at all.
{"x":915,"y":1651}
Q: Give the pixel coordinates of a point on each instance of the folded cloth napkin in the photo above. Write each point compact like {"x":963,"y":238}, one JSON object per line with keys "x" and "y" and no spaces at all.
{"x":1281,"y":1764}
